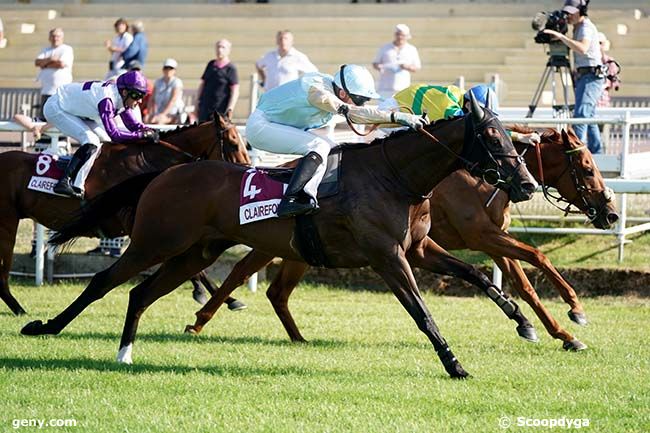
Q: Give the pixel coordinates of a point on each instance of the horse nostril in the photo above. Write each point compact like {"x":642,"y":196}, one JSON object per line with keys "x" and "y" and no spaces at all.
{"x":528,"y":187}
{"x":612,"y":217}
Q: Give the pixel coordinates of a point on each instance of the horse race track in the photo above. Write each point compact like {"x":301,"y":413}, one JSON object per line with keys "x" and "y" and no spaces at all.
{"x":366,"y":369}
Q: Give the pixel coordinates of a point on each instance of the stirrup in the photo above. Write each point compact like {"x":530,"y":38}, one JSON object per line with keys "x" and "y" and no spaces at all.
{"x":291,"y":207}
{"x":64,"y":188}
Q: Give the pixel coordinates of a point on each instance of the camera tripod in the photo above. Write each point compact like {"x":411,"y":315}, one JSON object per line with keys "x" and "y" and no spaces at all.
{"x":557,"y":64}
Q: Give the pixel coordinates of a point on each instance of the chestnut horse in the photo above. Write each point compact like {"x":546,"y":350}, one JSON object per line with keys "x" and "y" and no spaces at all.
{"x":212,"y":140}
{"x":379,"y":218}
{"x":567,"y":165}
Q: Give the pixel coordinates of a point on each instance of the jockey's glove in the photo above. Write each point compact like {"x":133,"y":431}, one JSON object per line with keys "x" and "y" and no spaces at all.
{"x":151,"y":134}
{"x":413,"y":121}
{"x":532,"y":138}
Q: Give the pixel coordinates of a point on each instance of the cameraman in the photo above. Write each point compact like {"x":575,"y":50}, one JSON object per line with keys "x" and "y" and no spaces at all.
{"x":589,"y":80}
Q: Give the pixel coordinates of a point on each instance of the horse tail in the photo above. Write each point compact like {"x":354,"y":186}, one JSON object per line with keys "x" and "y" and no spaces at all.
{"x":90,"y":216}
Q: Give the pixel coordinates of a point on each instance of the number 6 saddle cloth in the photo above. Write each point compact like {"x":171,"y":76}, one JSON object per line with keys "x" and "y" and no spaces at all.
{"x":48,"y":169}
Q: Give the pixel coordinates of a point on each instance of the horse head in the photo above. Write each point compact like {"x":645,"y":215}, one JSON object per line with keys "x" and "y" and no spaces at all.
{"x":583,"y":185}
{"x":490,"y":154}
{"x":230,"y":145}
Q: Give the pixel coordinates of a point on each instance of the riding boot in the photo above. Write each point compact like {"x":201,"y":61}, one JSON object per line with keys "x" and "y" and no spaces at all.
{"x":63,"y":186}
{"x":296,"y":201}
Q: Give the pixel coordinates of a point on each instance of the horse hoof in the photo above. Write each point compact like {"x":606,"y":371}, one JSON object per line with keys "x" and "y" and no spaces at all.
{"x":190,"y":329}
{"x":124,"y":355}
{"x":528,"y":333}
{"x":574,"y":345}
{"x":579,"y":318}
{"x":33,"y":328}
{"x":200,"y":297}
{"x":458,"y":372}
{"x":237,"y":305}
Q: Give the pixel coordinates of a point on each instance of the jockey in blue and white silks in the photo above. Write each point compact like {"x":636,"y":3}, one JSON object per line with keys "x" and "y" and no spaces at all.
{"x":285,"y":114}
{"x":86,"y":112}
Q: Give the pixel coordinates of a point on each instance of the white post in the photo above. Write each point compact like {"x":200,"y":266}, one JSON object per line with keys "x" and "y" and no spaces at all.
{"x":460,"y":82}
{"x":497,"y":276}
{"x":254,"y":93}
{"x":620,"y":229}
{"x":252,"y":283}
{"x":40,"y":257}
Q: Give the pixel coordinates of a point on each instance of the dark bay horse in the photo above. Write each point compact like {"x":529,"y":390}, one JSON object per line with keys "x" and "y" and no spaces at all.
{"x":217,"y":139}
{"x":567,"y":165}
{"x":379,"y":218}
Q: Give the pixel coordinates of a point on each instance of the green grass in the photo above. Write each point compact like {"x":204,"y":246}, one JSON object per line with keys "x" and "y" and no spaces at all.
{"x":366,"y":369}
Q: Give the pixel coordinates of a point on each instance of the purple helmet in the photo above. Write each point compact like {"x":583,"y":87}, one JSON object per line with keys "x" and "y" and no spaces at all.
{"x":132,"y":80}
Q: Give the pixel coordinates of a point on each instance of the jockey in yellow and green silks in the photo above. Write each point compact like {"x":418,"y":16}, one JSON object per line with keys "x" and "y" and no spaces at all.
{"x":447,"y":102}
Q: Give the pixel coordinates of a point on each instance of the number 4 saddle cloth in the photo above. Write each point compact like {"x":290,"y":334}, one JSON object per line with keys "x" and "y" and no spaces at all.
{"x":262,"y":188}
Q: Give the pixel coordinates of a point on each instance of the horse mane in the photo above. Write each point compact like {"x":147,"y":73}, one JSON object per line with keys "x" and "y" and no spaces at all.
{"x":393,"y":135}
{"x":179,"y":128}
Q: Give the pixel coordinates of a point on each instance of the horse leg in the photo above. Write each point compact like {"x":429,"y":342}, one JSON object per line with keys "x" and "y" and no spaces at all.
{"x":279,"y":291}
{"x":396,"y":272}
{"x":517,"y":278}
{"x":498,"y":243}
{"x":7,"y":241}
{"x":127,"y":266}
{"x":251,"y":263}
{"x":430,"y":256}
{"x":200,"y":295}
{"x":169,"y":276}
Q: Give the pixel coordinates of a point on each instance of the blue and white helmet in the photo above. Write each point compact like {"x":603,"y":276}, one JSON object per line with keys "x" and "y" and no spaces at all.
{"x":485,"y":96}
{"x":357,"y":82}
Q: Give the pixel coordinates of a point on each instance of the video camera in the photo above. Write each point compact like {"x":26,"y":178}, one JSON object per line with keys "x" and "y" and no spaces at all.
{"x":556,"y":20}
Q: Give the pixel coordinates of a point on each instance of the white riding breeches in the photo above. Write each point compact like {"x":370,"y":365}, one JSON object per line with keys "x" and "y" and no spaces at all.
{"x":278,"y":138}
{"x":82,"y":130}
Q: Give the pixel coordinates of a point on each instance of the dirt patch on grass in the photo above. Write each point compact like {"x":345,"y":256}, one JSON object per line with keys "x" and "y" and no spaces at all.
{"x":586,"y":282}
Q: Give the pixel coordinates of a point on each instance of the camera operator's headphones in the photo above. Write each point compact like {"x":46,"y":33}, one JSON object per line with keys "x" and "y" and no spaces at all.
{"x":582,"y":7}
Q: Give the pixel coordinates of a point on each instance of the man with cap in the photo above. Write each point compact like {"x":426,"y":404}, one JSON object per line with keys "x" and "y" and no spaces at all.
{"x":282,"y":121}
{"x":587,"y":58}
{"x":166,"y":103}
{"x":395,"y":61}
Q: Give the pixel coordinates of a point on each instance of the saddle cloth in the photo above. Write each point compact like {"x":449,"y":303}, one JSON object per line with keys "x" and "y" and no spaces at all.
{"x":48,"y":169}
{"x":262,"y":189}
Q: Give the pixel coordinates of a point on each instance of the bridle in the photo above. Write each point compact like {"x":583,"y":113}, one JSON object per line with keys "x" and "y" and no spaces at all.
{"x":221,"y":139}
{"x":581,"y":189}
{"x":489,"y":175}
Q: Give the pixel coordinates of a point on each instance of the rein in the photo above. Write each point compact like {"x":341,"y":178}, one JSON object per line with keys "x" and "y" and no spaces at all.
{"x":592,"y":213}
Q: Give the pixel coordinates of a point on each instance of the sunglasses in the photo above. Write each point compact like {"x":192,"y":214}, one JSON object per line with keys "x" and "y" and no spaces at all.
{"x":359,"y":100}
{"x":135,"y":95}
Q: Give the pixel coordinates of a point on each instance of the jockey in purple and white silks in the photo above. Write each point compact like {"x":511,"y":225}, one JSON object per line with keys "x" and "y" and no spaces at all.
{"x":285,"y":114}
{"x":86,"y":112}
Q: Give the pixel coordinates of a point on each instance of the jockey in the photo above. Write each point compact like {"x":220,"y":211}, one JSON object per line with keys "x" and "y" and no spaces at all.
{"x":285,"y":114}
{"x":86,"y":112}
{"x":446,"y":102}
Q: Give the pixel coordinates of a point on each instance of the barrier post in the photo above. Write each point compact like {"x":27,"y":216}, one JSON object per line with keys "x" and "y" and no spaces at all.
{"x":497,"y":276}
{"x":40,"y":256}
{"x":620,"y":229}
{"x":254,"y":93}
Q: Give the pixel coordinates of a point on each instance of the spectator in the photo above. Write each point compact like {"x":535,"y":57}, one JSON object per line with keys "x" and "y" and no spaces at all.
{"x":587,"y":59}
{"x":166,"y":104}
{"x":3,"y":40}
{"x":55,"y":63}
{"x":117,"y":46}
{"x":283,"y":64}
{"x":219,"y":88}
{"x":612,"y":81}
{"x":395,"y":61}
{"x":137,"y":51}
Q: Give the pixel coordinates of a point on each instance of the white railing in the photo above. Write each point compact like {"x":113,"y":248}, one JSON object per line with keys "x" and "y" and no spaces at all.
{"x":627,"y":169}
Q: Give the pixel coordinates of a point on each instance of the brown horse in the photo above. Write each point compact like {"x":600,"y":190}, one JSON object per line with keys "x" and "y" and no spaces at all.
{"x":379,"y":218}
{"x":217,"y":139}
{"x":467,"y":224}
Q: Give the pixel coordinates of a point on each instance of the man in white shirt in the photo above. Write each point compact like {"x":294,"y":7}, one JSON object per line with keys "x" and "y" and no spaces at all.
{"x":284,"y":64}
{"x":55,"y":63}
{"x":395,"y":61}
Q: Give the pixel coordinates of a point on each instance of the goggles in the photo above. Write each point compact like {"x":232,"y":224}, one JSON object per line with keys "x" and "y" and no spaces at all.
{"x":135,"y":95}
{"x":359,"y":100}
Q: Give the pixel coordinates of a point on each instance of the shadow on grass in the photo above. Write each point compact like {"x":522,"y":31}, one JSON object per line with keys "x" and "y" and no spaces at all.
{"x":75,"y":364}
